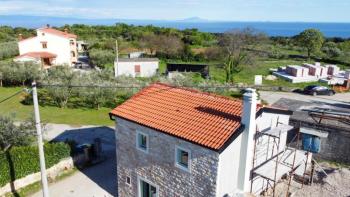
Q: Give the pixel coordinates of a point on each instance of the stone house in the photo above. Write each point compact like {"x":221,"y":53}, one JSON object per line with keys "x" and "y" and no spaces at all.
{"x":175,"y":141}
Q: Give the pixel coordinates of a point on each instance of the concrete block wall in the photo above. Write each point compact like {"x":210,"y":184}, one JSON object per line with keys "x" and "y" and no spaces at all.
{"x":335,"y":147}
{"x":158,"y":165}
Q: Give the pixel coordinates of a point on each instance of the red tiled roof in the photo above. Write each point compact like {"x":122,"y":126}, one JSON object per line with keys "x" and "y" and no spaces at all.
{"x":206,"y":119}
{"x":24,"y":39}
{"x":58,"y":33}
{"x":38,"y":55}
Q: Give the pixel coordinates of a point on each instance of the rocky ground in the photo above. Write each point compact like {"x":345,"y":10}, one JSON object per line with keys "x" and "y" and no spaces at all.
{"x":337,"y":183}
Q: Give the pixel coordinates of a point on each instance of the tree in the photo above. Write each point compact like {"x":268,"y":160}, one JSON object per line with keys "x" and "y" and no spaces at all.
{"x":60,"y":80}
{"x":311,"y":40}
{"x":102,"y":57}
{"x":12,"y":135}
{"x":235,"y":45}
{"x":331,"y":50}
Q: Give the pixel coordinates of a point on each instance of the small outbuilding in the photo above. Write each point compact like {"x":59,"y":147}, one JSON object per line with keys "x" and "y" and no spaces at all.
{"x":136,"y":67}
{"x":203,"y":69}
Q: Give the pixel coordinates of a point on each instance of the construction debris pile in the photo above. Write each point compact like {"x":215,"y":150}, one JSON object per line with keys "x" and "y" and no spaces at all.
{"x":336,"y":183}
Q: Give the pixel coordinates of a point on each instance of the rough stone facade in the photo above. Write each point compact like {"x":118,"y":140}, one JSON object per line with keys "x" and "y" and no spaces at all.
{"x":336,"y":146}
{"x":158,"y":165}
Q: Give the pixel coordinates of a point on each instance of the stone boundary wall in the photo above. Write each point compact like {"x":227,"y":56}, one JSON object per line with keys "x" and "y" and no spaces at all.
{"x":52,"y":173}
{"x":336,"y":147}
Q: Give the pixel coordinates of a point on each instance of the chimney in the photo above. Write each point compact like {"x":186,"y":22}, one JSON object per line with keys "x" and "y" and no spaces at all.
{"x":20,"y":37}
{"x":47,"y":25}
{"x":247,"y":140}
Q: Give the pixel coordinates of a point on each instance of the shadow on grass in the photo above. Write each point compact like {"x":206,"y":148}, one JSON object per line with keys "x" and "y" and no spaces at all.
{"x":12,"y":174}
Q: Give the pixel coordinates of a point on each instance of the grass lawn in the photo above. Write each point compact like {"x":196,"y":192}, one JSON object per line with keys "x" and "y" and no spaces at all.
{"x":51,"y":114}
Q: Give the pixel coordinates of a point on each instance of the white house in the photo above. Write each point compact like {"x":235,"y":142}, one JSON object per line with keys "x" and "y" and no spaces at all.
{"x":136,"y":67}
{"x":48,"y":47}
{"x":182,"y":142}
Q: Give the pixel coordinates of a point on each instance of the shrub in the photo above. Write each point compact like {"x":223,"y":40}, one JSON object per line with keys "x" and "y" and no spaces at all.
{"x":25,"y":160}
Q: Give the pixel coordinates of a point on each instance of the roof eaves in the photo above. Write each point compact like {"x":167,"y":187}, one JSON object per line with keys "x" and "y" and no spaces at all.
{"x":111,"y":115}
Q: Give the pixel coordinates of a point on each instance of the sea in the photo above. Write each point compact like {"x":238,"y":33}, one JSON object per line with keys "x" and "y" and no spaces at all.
{"x":341,"y":30}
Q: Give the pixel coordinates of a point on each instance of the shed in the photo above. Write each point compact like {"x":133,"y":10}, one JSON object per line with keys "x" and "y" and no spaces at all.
{"x":203,"y":69}
{"x":136,"y":67}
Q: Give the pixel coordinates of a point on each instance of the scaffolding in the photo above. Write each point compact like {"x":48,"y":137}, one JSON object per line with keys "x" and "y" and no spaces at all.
{"x":277,"y":163}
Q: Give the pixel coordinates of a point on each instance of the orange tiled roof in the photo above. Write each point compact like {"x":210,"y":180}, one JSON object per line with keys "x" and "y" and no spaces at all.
{"x":58,"y":33}
{"x":38,"y":55}
{"x":206,"y":119}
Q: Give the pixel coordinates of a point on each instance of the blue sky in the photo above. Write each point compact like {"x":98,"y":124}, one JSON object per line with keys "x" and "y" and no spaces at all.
{"x":226,"y":10}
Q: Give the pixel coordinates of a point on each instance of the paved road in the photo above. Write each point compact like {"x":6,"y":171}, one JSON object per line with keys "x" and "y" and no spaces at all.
{"x":272,"y":97}
{"x":96,"y":181}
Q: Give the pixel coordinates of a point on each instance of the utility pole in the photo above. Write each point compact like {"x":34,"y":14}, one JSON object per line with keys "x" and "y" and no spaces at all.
{"x":40,"y":142}
{"x":117,"y":59}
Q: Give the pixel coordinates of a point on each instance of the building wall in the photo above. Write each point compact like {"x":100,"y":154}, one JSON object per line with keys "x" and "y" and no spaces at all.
{"x":336,"y":146}
{"x":55,"y":44}
{"x":228,"y":169}
{"x":148,"y":69}
{"x":158,"y":165}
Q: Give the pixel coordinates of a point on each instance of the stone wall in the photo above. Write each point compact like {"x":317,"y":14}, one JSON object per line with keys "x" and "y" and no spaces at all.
{"x":52,"y":173}
{"x":336,"y":147}
{"x":158,"y":165}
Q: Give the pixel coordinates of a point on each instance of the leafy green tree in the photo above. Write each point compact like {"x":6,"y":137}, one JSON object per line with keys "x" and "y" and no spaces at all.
{"x":101,"y":58}
{"x":59,"y":81}
{"x":312,"y":40}
{"x":331,"y":50}
{"x":12,"y":135}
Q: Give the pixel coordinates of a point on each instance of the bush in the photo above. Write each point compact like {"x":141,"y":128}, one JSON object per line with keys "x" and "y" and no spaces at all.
{"x":25,"y":160}
{"x":8,"y":50}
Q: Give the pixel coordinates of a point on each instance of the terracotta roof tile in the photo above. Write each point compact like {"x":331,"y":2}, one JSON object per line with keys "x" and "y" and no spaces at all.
{"x":58,"y":32}
{"x":38,"y":55}
{"x":206,"y":119}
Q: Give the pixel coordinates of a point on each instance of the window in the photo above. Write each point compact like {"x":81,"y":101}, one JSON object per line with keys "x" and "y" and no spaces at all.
{"x":72,"y":42}
{"x":44,"y":44}
{"x":128,"y":180}
{"x":72,"y":53}
{"x":142,"y":141}
{"x":147,"y":189}
{"x":137,"y":70}
{"x":182,"y":158}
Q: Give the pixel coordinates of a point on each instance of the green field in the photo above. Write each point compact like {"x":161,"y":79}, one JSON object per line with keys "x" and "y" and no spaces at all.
{"x":51,"y":114}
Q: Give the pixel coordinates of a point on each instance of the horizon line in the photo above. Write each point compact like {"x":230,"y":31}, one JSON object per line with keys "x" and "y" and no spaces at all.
{"x":201,"y":20}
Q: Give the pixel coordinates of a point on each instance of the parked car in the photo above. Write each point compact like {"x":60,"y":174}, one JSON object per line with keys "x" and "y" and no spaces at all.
{"x":318,"y":90}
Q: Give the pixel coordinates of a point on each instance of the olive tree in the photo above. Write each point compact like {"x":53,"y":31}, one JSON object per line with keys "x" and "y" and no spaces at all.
{"x":15,"y":135}
{"x":331,"y":50}
{"x":59,"y":81}
{"x":312,"y":40}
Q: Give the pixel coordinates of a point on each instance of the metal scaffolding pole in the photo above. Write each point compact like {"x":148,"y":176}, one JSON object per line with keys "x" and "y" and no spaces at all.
{"x":40,"y":142}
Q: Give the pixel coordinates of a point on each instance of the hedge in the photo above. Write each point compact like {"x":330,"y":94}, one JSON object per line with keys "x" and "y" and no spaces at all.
{"x":25,"y":160}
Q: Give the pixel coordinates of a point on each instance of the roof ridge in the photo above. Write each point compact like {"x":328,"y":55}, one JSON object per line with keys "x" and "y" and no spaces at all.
{"x":196,"y":91}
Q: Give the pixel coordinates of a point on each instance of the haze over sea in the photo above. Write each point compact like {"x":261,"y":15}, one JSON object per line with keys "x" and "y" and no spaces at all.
{"x":270,"y":28}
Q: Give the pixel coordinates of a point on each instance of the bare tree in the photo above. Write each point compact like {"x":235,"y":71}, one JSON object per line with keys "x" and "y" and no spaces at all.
{"x":237,"y":46}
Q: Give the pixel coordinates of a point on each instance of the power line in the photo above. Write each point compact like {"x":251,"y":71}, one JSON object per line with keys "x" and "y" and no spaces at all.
{"x":15,"y":94}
